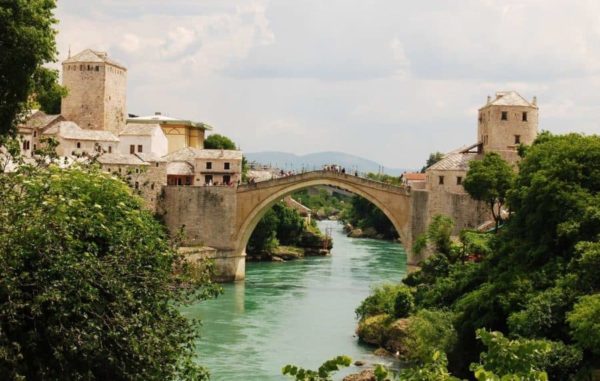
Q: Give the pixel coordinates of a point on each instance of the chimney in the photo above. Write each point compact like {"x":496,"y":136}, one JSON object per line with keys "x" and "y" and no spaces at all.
{"x":534,"y":101}
{"x":157,"y":113}
{"x":489,"y":100}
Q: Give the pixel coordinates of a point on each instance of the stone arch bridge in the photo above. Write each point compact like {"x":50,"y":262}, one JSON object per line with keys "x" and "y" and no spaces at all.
{"x":224,"y":217}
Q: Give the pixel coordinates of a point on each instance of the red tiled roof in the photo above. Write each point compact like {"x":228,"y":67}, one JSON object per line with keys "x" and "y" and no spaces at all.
{"x":414,"y":176}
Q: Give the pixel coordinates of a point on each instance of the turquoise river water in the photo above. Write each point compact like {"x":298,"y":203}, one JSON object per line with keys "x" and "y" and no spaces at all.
{"x":298,"y":312}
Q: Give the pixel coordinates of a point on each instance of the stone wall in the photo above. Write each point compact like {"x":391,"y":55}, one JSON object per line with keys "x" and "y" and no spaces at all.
{"x":115,"y":99}
{"x":145,"y":180}
{"x":205,"y":215}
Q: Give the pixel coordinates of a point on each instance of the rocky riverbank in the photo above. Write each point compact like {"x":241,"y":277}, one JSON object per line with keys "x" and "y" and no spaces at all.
{"x":354,"y":232}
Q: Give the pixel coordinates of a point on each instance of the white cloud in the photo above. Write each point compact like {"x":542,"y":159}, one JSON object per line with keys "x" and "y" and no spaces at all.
{"x":389,"y":80}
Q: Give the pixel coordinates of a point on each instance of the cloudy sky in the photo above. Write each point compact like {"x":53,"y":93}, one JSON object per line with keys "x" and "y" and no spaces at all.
{"x":387,"y":80}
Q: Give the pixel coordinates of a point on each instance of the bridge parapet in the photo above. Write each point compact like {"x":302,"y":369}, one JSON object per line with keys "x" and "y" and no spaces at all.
{"x":321,"y":174}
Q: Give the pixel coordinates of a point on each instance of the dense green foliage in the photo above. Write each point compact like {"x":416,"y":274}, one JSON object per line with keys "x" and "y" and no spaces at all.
{"x":584,"y":321}
{"x":279,"y":225}
{"x":88,"y":288}
{"x":217,"y":141}
{"x":26,"y":42}
{"x":535,"y":282}
{"x":489,"y":180}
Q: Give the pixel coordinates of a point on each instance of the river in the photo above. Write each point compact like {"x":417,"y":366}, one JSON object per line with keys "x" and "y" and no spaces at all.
{"x":298,"y":312}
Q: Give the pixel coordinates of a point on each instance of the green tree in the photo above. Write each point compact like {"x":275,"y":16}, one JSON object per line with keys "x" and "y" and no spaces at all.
{"x":290,"y":224}
{"x":27,"y":42}
{"x":90,"y":285}
{"x":264,"y":236}
{"x":489,"y":180}
{"x":216,"y":141}
{"x":48,"y":93}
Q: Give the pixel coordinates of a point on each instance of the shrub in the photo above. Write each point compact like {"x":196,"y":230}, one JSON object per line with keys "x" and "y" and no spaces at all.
{"x":381,"y":301}
{"x":404,"y":303}
{"x":372,"y":330}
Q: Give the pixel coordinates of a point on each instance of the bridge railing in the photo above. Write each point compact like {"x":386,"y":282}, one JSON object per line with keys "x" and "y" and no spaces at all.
{"x":347,"y":177}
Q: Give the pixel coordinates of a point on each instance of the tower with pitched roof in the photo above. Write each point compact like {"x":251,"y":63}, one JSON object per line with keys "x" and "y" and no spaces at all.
{"x":505,"y":122}
{"x":97,"y":88}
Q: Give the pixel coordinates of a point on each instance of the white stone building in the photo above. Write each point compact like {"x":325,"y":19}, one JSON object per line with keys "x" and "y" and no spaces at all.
{"x":180,"y":133}
{"x":75,"y":141}
{"x":143,"y":138}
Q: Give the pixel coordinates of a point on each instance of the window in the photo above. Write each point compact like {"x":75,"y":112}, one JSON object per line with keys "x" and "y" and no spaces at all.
{"x":157,"y":163}
{"x":458,"y":180}
{"x":226,"y":179}
{"x":152,"y":186}
{"x":517,"y":139}
{"x":97,"y":68}
{"x":34,"y":147}
{"x":226,"y":166}
{"x":25,"y":144}
{"x":524,"y":116}
{"x":209,"y":166}
{"x":119,"y":169}
{"x":109,"y":149}
{"x":137,"y":185}
{"x":34,"y":133}
{"x":139,"y":148}
{"x":441,"y":180}
{"x":504,"y":115}
{"x":208,"y":179}
{"x":78,"y":145}
{"x":132,"y":149}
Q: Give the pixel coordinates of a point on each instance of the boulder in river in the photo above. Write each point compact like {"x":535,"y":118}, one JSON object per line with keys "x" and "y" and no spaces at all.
{"x":356,"y":233}
{"x":365,"y":375}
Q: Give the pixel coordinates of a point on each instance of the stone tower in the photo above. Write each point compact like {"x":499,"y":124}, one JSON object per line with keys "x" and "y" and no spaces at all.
{"x":505,"y":122}
{"x":97,"y":89}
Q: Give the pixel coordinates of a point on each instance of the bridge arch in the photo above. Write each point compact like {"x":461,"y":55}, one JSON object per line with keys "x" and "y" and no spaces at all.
{"x":254,"y":200}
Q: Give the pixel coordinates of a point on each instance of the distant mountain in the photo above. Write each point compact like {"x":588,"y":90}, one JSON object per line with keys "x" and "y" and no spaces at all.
{"x":289,"y":161}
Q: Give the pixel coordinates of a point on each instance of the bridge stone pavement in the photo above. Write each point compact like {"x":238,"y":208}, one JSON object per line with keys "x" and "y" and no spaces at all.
{"x":224,"y":217}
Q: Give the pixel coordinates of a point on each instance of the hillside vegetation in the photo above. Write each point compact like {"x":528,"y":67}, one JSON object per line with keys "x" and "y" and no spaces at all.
{"x":521,"y":303}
